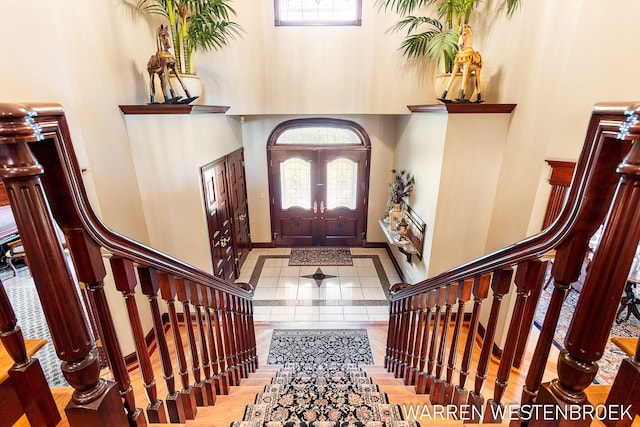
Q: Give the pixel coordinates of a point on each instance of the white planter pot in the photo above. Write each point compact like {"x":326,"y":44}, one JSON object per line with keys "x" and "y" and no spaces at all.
{"x":193,"y":85}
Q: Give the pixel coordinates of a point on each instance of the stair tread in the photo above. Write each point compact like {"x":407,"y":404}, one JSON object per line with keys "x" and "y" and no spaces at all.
{"x":6,"y":362}
{"x":62,"y":396}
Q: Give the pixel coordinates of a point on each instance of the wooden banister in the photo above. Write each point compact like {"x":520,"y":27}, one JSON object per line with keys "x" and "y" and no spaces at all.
{"x":594,"y":196}
{"x":43,"y":180}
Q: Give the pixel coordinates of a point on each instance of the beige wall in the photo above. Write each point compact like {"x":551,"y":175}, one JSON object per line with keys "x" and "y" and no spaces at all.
{"x":168,"y":152}
{"x":554,"y":59}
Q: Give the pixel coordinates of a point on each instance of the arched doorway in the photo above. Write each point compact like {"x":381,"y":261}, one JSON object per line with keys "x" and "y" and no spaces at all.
{"x":318,"y":182}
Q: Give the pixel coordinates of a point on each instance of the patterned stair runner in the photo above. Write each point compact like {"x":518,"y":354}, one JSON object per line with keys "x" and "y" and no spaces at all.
{"x":329,"y":396}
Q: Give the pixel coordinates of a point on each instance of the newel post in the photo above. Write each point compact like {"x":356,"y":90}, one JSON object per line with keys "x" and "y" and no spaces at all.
{"x":95,"y":401}
{"x":588,"y":333}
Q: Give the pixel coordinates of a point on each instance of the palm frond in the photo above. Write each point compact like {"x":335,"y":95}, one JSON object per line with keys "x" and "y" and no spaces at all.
{"x":417,"y":45}
{"x":512,"y":6}
{"x":402,"y":7}
{"x":155,"y":7}
{"x":413,"y":22}
{"x":443,"y":45}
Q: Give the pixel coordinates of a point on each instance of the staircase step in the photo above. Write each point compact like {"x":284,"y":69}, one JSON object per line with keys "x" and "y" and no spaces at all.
{"x":62,"y":396}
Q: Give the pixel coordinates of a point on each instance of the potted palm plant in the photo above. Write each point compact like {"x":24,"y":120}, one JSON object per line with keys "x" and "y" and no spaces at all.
{"x":195,"y":24}
{"x":434,"y":36}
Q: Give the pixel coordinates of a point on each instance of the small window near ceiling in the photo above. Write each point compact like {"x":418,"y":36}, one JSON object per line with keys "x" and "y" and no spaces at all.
{"x":318,"y":12}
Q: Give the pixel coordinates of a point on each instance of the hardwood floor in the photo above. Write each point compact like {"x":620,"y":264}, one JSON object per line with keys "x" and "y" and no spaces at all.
{"x":231,"y":407}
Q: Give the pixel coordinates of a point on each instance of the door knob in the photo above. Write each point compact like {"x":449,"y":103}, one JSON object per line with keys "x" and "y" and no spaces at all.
{"x":322,"y":206}
{"x":315,"y":206}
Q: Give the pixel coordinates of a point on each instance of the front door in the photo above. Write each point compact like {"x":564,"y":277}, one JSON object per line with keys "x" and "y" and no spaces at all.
{"x":319,"y":196}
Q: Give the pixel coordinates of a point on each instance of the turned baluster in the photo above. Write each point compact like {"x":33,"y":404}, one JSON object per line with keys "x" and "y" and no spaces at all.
{"x":500,"y":284}
{"x":480,"y":292}
{"x":245,"y":304}
{"x":625,"y":391}
{"x":587,"y":335}
{"x":125,"y":280}
{"x":184,"y":296}
{"x":391,"y":334}
{"x":252,"y":335}
{"x":150,"y":285}
{"x":238,"y":321}
{"x":402,"y":338}
{"x":197,"y":292}
{"x":420,"y":380}
{"x":408,"y":338}
{"x":225,"y":329}
{"x":528,"y":275}
{"x":222,"y":380}
{"x":420,"y":305}
{"x":187,"y":394}
{"x":94,"y":401}
{"x":229,"y":333}
{"x":395,"y":348}
{"x":464,"y":295}
{"x":440,"y":299}
{"x":412,"y":337}
{"x":436,"y":393}
{"x":26,"y":374}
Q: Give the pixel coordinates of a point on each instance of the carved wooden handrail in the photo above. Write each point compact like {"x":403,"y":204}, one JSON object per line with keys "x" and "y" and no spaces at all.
{"x":599,"y":194}
{"x":587,"y":194}
{"x":40,"y":171}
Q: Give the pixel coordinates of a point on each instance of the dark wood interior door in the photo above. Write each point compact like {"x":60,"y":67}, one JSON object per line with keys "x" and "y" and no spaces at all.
{"x":214,"y":176}
{"x":319,"y":196}
{"x":239,"y":206}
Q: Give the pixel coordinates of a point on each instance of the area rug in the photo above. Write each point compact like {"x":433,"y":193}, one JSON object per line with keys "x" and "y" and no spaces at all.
{"x":320,"y":256}
{"x":612,"y":356}
{"x":28,"y":310}
{"x":310,"y":348}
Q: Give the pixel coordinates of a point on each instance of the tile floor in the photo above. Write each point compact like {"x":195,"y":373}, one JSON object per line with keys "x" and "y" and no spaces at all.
{"x":355,"y":293}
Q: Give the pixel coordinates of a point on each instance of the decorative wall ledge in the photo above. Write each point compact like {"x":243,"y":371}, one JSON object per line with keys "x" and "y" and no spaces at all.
{"x":173,"y":109}
{"x":462,"y":108}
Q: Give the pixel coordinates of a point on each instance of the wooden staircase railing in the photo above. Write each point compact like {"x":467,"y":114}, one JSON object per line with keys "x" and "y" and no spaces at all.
{"x":605,"y":188}
{"x":44,"y":185}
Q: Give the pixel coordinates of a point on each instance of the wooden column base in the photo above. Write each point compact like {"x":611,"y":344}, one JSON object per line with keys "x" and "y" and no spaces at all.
{"x":476,"y":406}
{"x":460,"y":396}
{"x":105,"y":411}
{"x":200,"y":394}
{"x":137,"y":419}
{"x":222,"y":384}
{"x":210,"y":391}
{"x":448,"y":393}
{"x":493,"y":412}
{"x":34,"y":394}
{"x":188,"y":397}
{"x":175,"y":408}
{"x":625,"y":391}
{"x":423,"y":383}
{"x":436,"y":394}
{"x":156,"y":413}
{"x":549,"y":396}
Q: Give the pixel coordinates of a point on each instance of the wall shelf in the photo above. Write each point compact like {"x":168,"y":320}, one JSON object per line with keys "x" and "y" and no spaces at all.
{"x":462,"y":108}
{"x":173,"y":109}
{"x":413,"y":243}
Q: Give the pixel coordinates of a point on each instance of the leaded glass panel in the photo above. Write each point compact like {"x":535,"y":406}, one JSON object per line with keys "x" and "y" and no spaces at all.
{"x":295,"y":183}
{"x":317,"y":11}
{"x":342,"y":183}
{"x":319,"y":135}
